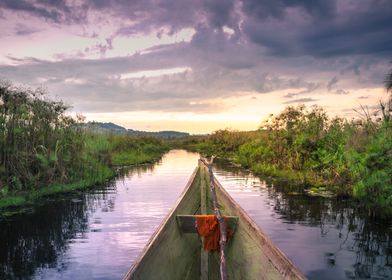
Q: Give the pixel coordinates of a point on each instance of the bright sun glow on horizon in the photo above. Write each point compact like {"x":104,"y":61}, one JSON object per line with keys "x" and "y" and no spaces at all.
{"x":239,"y":115}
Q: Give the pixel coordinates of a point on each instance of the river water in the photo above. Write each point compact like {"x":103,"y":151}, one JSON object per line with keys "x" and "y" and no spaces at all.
{"x":98,"y":234}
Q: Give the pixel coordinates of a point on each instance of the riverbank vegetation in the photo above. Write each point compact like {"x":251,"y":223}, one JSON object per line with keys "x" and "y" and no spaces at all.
{"x":327,"y":155}
{"x":43,"y":150}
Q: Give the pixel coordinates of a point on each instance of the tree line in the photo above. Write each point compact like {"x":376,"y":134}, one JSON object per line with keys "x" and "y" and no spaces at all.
{"x":305,"y":145}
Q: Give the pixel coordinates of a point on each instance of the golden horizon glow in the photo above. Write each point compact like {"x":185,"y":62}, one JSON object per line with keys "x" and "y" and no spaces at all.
{"x":245,"y":112}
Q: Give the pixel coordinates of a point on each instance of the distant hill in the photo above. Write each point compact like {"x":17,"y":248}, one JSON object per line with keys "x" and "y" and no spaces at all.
{"x":105,"y":127}
{"x":114,"y":128}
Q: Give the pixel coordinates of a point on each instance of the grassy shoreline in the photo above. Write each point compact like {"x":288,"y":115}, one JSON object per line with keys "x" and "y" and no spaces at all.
{"x":25,"y":198}
{"x":313,"y":183}
{"x":45,"y":151}
{"x":298,"y":177}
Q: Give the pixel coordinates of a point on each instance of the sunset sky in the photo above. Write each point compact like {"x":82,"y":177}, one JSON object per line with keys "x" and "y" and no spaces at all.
{"x":196,"y":65}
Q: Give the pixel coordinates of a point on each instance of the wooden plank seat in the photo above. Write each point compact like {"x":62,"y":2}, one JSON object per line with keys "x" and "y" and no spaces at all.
{"x":187,"y":223}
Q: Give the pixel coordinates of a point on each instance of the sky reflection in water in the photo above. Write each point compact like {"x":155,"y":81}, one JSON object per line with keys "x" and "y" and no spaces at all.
{"x":98,"y":234}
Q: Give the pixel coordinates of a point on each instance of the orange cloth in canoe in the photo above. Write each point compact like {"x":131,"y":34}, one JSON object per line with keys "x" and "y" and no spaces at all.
{"x":208,"y":227}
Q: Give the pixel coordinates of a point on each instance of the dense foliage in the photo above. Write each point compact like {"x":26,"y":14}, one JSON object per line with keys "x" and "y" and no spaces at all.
{"x":306,"y":141}
{"x":334,"y":155}
{"x":41,"y":146}
{"x":38,"y":143}
{"x":373,"y":168}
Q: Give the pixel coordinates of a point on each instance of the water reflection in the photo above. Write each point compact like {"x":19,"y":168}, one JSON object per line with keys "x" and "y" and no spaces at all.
{"x":325,"y":238}
{"x":137,"y":170}
{"x":98,"y":234}
{"x":39,"y":239}
{"x":95,"y":234}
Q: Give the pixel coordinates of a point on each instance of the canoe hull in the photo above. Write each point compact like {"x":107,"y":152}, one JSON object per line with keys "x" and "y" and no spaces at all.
{"x":251,"y":254}
{"x":171,"y":254}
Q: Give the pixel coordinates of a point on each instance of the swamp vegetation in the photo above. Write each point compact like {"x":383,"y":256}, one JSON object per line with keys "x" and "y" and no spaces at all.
{"x":43,"y":150}
{"x":328,"y":156}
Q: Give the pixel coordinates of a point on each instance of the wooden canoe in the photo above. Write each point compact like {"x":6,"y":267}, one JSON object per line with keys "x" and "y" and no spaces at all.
{"x":173,"y":253}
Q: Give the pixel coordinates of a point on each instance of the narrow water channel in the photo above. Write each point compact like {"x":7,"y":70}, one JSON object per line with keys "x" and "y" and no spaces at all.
{"x":325,"y":238}
{"x":98,"y":234}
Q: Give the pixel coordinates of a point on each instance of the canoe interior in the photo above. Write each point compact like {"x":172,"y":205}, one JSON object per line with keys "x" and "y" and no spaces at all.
{"x":172,"y":254}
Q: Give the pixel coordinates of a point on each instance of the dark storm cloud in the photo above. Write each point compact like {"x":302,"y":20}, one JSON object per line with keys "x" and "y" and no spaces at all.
{"x":262,"y":9}
{"x":362,"y":32}
{"x":174,"y":15}
{"x":319,"y":28}
{"x":96,"y":85}
{"x":303,"y":46}
{"x":146,"y":15}
{"x":57,"y":11}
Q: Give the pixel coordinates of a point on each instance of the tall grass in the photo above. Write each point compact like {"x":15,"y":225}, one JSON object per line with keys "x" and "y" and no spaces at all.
{"x":39,"y":144}
{"x":345,"y":157}
{"x":43,"y":150}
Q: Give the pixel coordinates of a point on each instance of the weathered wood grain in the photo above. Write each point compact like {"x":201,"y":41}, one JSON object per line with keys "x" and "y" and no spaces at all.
{"x":173,"y":254}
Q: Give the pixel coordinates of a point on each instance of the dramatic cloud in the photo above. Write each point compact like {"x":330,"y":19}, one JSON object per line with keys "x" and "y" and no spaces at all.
{"x":54,"y":10}
{"x":198,"y":56}
{"x":320,"y":28}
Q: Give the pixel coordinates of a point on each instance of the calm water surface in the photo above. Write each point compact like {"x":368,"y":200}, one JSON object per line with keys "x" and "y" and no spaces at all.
{"x":98,"y":234}
{"x":325,"y":238}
